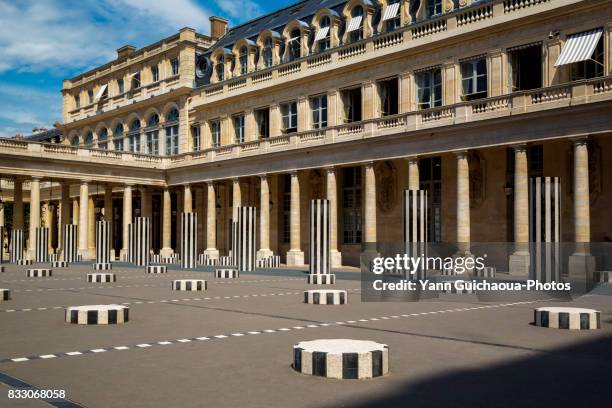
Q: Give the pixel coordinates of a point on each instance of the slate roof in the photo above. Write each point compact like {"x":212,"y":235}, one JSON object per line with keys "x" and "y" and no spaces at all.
{"x":45,"y":136}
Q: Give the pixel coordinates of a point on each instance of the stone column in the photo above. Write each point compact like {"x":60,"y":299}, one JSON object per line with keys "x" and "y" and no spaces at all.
{"x":332,"y":196}
{"x":83,"y":220}
{"x":414,"y":181}
{"x":264,"y":219}
{"x":581,"y":262}
{"x":236,"y":197}
{"x":18,"y":204}
{"x":34,"y":214}
{"x":200,"y":209}
{"x":463,"y":202}
{"x":64,"y":213}
{"x":211,"y":223}
{"x":187,"y":199}
{"x":370,"y":208}
{"x":166,"y":224}
{"x":127,"y":218}
{"x":91,"y":226}
{"x":295,"y":256}
{"x":519,"y":260}
{"x":75,"y":211}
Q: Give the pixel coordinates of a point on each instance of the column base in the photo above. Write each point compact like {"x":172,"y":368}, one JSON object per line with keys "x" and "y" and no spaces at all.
{"x":212,"y":253}
{"x":87,"y":254}
{"x":336,"y":258}
{"x":264,"y":253}
{"x":581,"y":265}
{"x":123,"y":253}
{"x":519,"y":262}
{"x":166,"y":252}
{"x":295,"y":258}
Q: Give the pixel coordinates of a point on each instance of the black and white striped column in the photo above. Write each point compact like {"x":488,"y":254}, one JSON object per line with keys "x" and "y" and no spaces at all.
{"x":320,"y":231}
{"x":6,"y":294}
{"x":17,"y":242}
{"x":189,"y":241}
{"x":39,"y":273}
{"x":570,"y":318}
{"x":70,"y":243}
{"x":415,"y":229}
{"x":103,"y":246}
{"x":227,"y":273}
{"x":272,"y":261}
{"x":139,"y":241}
{"x":97,"y":314}
{"x":157,"y":269}
{"x":101,"y":277}
{"x":189,"y":285}
{"x":42,"y":244}
{"x":244,"y":252}
{"x":325,"y":297}
{"x":545,"y":228}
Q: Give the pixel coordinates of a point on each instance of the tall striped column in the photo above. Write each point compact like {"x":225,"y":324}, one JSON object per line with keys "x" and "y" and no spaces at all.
{"x":17,"y":242}
{"x":70,"y":243}
{"x":415,"y":228}
{"x":189,"y":246}
{"x":2,"y":240}
{"x":320,"y":231}
{"x":42,"y":244}
{"x":244,"y":251}
{"x":139,"y":241}
{"x":103,"y":245}
{"x":545,"y":228}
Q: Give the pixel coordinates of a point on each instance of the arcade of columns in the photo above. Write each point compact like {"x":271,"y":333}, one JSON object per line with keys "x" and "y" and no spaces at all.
{"x":84,"y":211}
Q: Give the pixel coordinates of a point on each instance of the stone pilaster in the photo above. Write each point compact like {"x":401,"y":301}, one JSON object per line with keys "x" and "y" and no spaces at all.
{"x":211,"y":222}
{"x":264,"y":219}
{"x":519,"y":260}
{"x":295,"y":256}
{"x":370,"y":207}
{"x":332,"y":196}
{"x":34,"y":214}
{"x":236,"y":197}
{"x":187,"y":199}
{"x":83,"y":249}
{"x":414,"y":181}
{"x":91,"y":226}
{"x":127,"y":217}
{"x":75,"y":211}
{"x":166,"y":224}
{"x":463,"y":202}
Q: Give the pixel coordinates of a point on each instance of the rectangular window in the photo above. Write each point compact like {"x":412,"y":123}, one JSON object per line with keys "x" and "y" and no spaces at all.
{"x":90,"y":96}
{"x":318,"y":105}
{"x":119,"y":144}
{"x":434,"y":7}
{"x":388,"y":97}
{"x":262,"y":119}
{"x":77,"y":101}
{"x":136,"y":81}
{"x":430,"y":174}
{"x":351,"y":101}
{"x":120,"y":86}
{"x":525,"y":64}
{"x":153,"y":142}
{"x":215,"y":133}
{"x":155,"y":73}
{"x":175,"y":66}
{"x":351,"y":204}
{"x":289,"y":117}
{"x":392,"y":16}
{"x":135,"y":142}
{"x":590,"y":68}
{"x":195,"y":138}
{"x":238,"y":128}
{"x":429,"y":88}
{"x":474,"y":79}
{"x":172,"y":140}
{"x":286,"y":208}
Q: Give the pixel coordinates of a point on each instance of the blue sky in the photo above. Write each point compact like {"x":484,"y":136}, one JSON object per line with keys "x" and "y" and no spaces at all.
{"x":43,"y":42}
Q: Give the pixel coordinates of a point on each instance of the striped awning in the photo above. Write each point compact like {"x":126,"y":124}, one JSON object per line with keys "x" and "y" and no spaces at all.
{"x":100,"y":92}
{"x":354,"y":24}
{"x":391,"y":11}
{"x":579,"y":47}
{"x":321,"y":33}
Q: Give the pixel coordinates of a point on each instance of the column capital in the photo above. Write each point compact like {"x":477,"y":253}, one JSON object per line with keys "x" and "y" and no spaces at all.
{"x":294,"y":173}
{"x":412,"y":159}
{"x":85,"y":182}
{"x":520,"y":147}
{"x":36,"y":178}
{"x":461,"y":153}
{"x":263,"y":176}
{"x":578,"y":141}
{"x":369,"y":164}
{"x":330,"y":169}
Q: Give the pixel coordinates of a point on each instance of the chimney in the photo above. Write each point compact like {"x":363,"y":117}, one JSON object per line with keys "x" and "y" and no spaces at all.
{"x":218,"y":27}
{"x":125,"y":51}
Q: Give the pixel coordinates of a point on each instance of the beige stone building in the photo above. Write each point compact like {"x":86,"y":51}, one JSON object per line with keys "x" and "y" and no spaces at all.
{"x":352,"y":101}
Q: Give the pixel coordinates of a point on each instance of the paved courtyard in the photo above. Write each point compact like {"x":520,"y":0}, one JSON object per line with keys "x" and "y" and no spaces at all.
{"x":231,"y":345}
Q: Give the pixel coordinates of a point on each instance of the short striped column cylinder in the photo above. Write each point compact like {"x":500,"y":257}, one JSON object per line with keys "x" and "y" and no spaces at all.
{"x":59,"y":264}
{"x":485,"y":272}
{"x":225,"y":261}
{"x":39,"y":273}
{"x":102,"y":266}
{"x":272,"y":261}
{"x":139,"y":236}
{"x":70,"y":243}
{"x":103,"y":244}
{"x":545,"y":228}
{"x":53,"y":257}
{"x":189,"y":285}
{"x":155,"y":258}
{"x":172,"y":259}
{"x":157,"y":269}
{"x":16,"y":249}
{"x":24,"y":262}
{"x":97,"y":314}
{"x":189,"y":240}
{"x":325,"y":297}
{"x":570,"y":318}
{"x":42,"y":244}
{"x":603,"y":276}
{"x":320,"y":232}
{"x":209,"y":261}
{"x":226,"y":273}
{"x":244,"y":252}
{"x":101,"y":277}
{"x":341,"y":359}
{"x":415,"y":228}
{"x":321,"y":279}
{"x":6,"y":294}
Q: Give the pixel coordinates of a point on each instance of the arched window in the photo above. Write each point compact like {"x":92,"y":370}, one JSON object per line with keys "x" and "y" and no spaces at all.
{"x":173,"y":115}
{"x":118,"y":137}
{"x":152,"y":135}
{"x":103,"y":139}
{"x":153,"y":120}
{"x":244,"y":60}
{"x":135,"y":126}
{"x":89,"y":139}
{"x":322,"y":38}
{"x":355,"y":25}
{"x":74,"y":141}
{"x":172,"y":128}
{"x":220,"y":68}
{"x":267,"y":52}
{"x":293,"y":45}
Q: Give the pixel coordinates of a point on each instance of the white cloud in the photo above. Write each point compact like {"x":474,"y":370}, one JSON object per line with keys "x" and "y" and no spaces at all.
{"x":240,"y":9}
{"x":177,"y":13}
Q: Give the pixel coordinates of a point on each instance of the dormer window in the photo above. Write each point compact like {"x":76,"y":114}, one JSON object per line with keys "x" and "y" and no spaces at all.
{"x":392,"y":15}
{"x":220,"y":68}
{"x":293,"y":45}
{"x":244,"y":60}
{"x":355,"y":25}
{"x":267,"y":52}
{"x":322,"y":37}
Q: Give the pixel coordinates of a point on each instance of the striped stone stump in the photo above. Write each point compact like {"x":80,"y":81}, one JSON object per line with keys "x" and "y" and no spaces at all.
{"x":97,"y":314}
{"x":24,"y":262}
{"x":545,"y":229}
{"x":103,"y":247}
{"x":157,"y":269}
{"x":172,"y":259}
{"x":6,"y":294}
{"x":415,"y":228}
{"x":17,"y":243}
{"x":341,"y":359}
{"x":189,"y":285}
{"x":571,"y":318}
{"x":321,"y":279}
{"x":59,"y":264}
{"x":139,"y":241}
{"x":320,"y":232}
{"x":53,"y":257}
{"x":101,"y":277}
{"x":70,"y":243}
{"x":42,"y":245}
{"x":39,"y":273}
{"x":603,"y":276}
{"x":155,"y":258}
{"x":189,"y":240}
{"x":325,"y":297}
{"x":272,"y":261}
{"x":485,"y":272}
{"x":209,"y":262}
{"x":244,"y":250}
{"x":102,"y":266}
{"x":225,"y":261}
{"x":226,"y":273}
